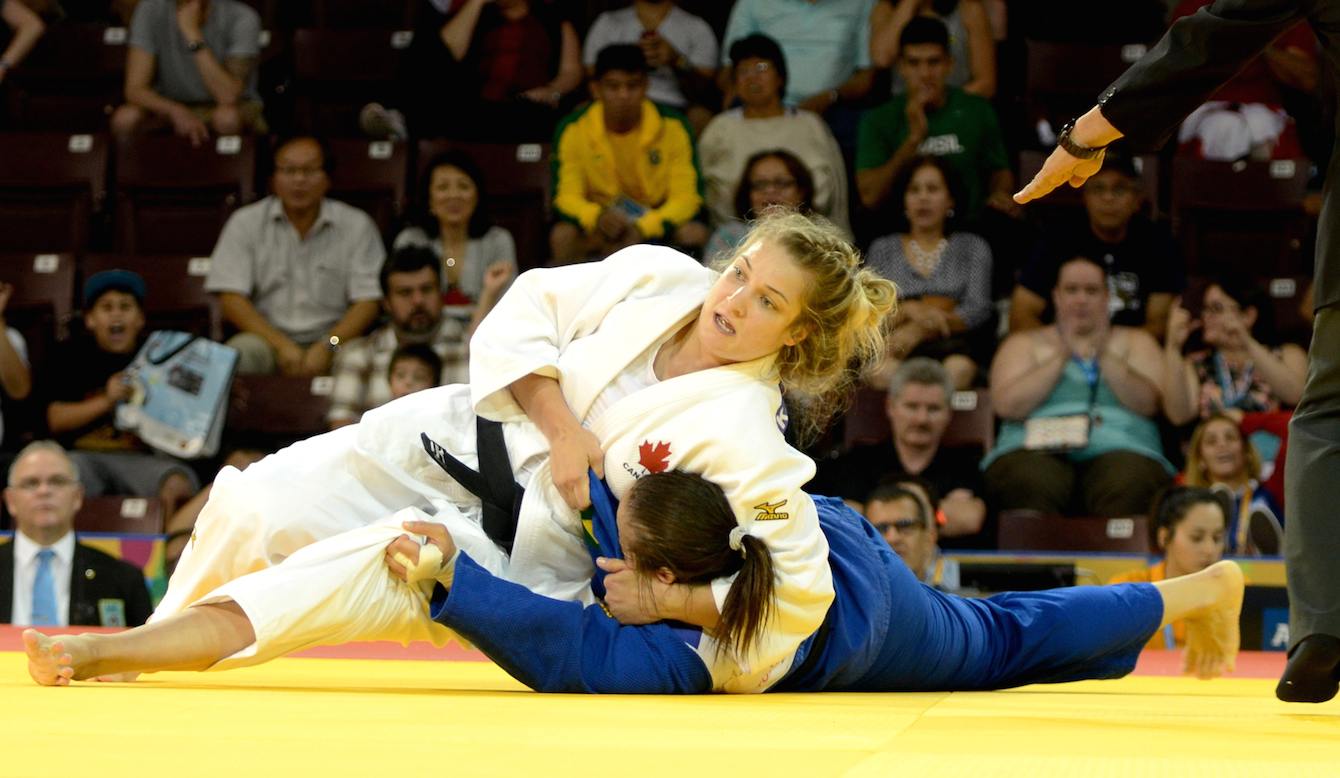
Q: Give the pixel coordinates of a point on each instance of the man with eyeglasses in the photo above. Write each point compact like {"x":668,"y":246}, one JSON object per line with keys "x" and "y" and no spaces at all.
{"x":46,"y":577}
{"x":1144,"y":268}
{"x":297,"y":272}
{"x":901,"y":511}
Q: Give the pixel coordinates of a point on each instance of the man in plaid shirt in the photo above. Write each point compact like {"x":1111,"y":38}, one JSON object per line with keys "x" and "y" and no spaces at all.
{"x":412,"y":297}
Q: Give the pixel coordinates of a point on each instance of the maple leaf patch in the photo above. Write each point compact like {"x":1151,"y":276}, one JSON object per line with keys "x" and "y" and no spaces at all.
{"x":654,"y":458}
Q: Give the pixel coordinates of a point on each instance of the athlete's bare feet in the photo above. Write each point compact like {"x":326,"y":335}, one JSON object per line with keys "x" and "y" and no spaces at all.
{"x":1212,"y":639}
{"x":117,"y":677}
{"x":51,"y":660}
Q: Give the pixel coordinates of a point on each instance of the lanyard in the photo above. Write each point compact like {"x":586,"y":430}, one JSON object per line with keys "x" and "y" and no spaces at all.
{"x":1232,"y":392}
{"x":1244,"y":512}
{"x":1091,"y":375}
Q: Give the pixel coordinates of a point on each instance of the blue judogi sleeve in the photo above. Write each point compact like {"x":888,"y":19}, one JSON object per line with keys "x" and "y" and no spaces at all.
{"x":557,"y":646}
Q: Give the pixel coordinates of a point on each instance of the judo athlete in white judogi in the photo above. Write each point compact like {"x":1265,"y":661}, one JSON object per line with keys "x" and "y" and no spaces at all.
{"x":667,"y":364}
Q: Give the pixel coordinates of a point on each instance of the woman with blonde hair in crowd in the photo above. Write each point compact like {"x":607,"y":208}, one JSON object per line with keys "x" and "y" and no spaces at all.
{"x":1223,"y":459}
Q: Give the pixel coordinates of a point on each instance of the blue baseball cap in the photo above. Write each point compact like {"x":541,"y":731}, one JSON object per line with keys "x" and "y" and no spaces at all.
{"x":99,"y":284}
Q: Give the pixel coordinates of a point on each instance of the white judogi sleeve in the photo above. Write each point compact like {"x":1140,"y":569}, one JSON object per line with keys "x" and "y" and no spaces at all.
{"x":547,"y":310}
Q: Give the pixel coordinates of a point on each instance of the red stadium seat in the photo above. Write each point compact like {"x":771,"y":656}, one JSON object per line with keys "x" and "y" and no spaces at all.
{"x":51,"y":185}
{"x":1241,"y":216}
{"x":44,"y":290}
{"x":1023,"y":530}
{"x":352,"y":14}
{"x":71,"y":81}
{"x":337,"y":72}
{"x":142,"y":515}
{"x":518,"y":188}
{"x":371,"y":175}
{"x":973,"y":423}
{"x":1062,"y":79}
{"x":279,"y":408}
{"x":173,"y":198}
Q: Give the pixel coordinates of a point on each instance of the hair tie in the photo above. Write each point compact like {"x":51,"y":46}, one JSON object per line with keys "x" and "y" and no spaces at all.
{"x":737,"y":539}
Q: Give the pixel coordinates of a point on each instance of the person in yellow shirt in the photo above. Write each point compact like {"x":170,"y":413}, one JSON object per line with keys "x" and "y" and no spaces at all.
{"x":1188,"y":529}
{"x":624,"y":168}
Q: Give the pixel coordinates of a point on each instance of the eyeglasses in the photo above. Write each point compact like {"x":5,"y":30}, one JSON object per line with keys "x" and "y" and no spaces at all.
{"x":757,"y":67}
{"x":1221,"y":308}
{"x":291,"y":171}
{"x":773,"y":184}
{"x":54,"y":482}
{"x":902,"y":525}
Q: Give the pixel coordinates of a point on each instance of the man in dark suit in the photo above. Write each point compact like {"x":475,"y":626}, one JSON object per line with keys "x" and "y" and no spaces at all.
{"x":1198,"y":54}
{"x":45,"y":576}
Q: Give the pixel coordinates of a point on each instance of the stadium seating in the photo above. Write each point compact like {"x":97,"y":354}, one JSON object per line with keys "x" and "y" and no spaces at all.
{"x":71,"y":80}
{"x":1023,"y":530}
{"x":278,"y":409}
{"x":371,"y":175}
{"x":1241,"y":216}
{"x":44,"y":288}
{"x":172,"y":197}
{"x":337,"y":72}
{"x":353,"y":14}
{"x":51,"y":186}
{"x":140,"y":515}
{"x":1062,"y":78}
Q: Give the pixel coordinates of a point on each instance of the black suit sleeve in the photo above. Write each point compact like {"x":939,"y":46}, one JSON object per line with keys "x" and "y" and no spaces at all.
{"x":1198,"y":54}
{"x":138,"y":607}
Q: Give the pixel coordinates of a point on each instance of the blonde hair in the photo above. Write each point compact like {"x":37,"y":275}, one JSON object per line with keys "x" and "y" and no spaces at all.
{"x":1196,"y":474}
{"x":844,"y":317}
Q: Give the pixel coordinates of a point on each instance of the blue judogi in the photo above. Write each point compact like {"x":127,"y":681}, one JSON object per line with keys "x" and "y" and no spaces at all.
{"x":885,"y":631}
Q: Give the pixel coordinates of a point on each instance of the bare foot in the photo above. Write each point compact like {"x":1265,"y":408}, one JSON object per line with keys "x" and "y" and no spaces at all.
{"x":117,"y":677}
{"x":1212,"y":639}
{"x":50,"y":662}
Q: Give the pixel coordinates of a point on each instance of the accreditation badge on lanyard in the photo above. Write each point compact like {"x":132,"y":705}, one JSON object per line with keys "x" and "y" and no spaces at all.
{"x":1065,"y":433}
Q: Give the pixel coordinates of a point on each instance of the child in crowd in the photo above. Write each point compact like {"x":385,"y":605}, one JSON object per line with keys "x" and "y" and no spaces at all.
{"x":414,"y":367}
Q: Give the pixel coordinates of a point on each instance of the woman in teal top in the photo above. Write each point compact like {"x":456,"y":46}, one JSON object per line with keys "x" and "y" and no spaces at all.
{"x":1078,"y":399}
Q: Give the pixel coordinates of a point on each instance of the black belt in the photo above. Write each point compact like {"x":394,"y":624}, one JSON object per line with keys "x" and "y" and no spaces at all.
{"x":498,"y":492}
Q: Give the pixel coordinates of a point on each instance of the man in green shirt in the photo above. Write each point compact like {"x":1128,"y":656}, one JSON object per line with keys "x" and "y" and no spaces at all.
{"x":934,"y":119}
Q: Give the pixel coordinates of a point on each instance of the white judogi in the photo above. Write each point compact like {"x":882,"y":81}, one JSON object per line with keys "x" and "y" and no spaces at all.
{"x":583,"y":325}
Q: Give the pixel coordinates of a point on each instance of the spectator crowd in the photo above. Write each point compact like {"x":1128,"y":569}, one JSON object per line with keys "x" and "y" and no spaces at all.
{"x":1111,"y":375}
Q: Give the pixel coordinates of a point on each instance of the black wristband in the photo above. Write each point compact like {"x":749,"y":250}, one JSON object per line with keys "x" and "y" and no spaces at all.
{"x":1074,"y":149}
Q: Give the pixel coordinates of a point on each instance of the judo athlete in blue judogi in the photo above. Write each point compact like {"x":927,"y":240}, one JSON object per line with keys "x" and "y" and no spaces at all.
{"x":885,"y":631}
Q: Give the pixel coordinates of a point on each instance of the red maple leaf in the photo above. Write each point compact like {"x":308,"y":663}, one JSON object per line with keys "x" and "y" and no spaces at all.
{"x":654,"y":458}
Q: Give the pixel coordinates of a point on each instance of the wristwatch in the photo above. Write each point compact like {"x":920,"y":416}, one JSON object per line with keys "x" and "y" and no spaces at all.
{"x":1074,"y":149}
{"x":195,"y":46}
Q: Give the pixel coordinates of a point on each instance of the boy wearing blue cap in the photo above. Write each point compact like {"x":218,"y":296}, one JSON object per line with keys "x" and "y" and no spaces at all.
{"x":84,"y":381}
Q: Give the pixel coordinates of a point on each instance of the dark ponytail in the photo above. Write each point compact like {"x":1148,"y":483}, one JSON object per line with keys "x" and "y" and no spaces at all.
{"x":682,"y":522}
{"x":750,"y":602}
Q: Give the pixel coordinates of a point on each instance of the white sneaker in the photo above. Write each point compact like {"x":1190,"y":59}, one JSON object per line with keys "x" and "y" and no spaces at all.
{"x":377,"y":121}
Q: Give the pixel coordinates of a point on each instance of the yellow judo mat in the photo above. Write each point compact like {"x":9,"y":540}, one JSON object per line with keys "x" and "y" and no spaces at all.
{"x":410,"y":718}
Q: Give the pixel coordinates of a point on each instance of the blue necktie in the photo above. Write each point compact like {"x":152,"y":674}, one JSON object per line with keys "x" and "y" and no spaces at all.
{"x":44,"y":591}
